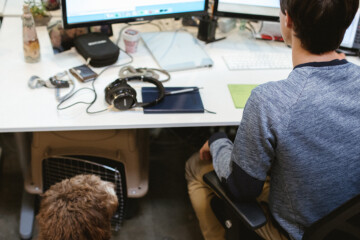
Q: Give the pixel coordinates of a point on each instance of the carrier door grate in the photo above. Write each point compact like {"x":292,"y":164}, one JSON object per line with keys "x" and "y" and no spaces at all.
{"x":58,"y":168}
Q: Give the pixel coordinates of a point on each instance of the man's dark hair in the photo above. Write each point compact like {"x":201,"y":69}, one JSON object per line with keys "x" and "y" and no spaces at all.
{"x":320,"y":24}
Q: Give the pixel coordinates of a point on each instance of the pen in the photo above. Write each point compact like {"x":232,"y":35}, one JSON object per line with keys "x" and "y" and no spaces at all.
{"x":182,"y":91}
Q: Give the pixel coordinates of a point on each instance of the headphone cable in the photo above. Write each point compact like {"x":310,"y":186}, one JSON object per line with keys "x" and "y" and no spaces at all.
{"x":93,"y":84}
{"x":92,"y":89}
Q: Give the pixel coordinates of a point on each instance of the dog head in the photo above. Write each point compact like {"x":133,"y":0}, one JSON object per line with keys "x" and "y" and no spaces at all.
{"x":79,"y":208}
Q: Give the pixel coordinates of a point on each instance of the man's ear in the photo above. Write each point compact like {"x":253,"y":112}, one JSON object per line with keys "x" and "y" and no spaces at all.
{"x":288,"y":20}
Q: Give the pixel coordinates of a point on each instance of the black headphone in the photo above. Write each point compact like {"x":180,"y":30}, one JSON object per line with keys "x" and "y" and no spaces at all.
{"x":122,"y":96}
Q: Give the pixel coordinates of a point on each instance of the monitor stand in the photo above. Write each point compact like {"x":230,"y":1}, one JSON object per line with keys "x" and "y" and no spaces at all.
{"x":207,"y":29}
{"x":176,"y":50}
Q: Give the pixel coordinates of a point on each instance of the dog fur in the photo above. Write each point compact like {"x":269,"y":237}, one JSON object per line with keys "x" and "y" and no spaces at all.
{"x":79,"y":208}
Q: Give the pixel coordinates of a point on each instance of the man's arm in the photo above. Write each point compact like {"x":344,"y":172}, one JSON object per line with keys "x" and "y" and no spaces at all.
{"x":239,"y":184}
{"x":243,"y":166}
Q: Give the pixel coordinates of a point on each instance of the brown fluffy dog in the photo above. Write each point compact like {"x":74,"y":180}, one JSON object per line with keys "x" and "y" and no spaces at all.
{"x":79,"y":208}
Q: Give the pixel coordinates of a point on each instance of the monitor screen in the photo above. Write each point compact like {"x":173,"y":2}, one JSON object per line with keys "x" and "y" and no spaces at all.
{"x":80,"y":13}
{"x":248,"y":9}
{"x":352,"y":34}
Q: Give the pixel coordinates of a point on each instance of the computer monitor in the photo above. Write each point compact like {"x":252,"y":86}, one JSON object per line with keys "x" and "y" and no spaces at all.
{"x":352,"y":35}
{"x":266,"y":10}
{"x":82,"y":13}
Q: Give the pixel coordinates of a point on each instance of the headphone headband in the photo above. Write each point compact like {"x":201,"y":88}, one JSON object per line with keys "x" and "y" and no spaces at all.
{"x":152,"y":80}
{"x":129,"y":71}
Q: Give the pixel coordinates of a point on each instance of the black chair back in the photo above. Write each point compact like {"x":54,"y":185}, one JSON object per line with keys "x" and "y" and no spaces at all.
{"x":342,"y":223}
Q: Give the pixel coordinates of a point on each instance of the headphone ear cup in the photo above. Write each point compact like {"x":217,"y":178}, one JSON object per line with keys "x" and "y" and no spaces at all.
{"x":124,"y":102}
{"x":120,"y":94}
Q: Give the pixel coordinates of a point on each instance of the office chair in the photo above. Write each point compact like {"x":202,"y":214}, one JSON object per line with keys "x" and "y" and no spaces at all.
{"x":241,"y":218}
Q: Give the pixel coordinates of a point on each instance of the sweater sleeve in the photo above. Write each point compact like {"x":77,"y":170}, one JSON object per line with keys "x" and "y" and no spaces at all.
{"x":239,"y":184}
{"x":244,"y":164}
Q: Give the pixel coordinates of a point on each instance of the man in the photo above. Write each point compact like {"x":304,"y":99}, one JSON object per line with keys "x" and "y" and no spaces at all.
{"x":303,"y":132}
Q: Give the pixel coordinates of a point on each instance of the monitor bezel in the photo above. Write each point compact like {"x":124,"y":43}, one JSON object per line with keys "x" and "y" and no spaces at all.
{"x":131,"y":19}
{"x":243,"y":15}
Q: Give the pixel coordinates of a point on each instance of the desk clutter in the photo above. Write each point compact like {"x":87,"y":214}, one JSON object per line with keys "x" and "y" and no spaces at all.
{"x":30,"y":39}
{"x":63,"y":39}
{"x":98,"y":48}
{"x":58,"y":81}
{"x":120,"y":95}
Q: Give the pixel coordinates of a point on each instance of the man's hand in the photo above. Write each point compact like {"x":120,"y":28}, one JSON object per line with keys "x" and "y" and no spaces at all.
{"x":205,"y":152}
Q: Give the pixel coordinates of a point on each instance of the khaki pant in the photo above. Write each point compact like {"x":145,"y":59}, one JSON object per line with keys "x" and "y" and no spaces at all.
{"x":200,"y":196}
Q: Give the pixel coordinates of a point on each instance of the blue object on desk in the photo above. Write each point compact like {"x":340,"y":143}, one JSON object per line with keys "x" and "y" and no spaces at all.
{"x":185,"y":102}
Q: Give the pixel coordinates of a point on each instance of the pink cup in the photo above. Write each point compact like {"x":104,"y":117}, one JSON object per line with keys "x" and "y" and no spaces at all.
{"x":131,"y":40}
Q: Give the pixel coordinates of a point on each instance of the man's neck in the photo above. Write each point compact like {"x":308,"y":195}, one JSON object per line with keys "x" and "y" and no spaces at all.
{"x":301,"y":56}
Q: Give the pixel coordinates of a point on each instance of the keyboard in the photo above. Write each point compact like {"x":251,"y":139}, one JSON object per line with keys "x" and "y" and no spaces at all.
{"x":258,"y":60}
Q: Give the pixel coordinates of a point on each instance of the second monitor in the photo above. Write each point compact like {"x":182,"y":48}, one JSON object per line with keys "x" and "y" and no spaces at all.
{"x":266,"y":10}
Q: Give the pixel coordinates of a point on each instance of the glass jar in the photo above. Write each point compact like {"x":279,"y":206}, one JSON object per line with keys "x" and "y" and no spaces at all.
{"x":30,"y":40}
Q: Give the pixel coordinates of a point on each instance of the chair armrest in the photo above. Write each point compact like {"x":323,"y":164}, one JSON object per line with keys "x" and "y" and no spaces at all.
{"x":249,"y":212}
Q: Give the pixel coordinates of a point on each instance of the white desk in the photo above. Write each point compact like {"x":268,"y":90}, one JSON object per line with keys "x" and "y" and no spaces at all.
{"x":24,"y":110}
{"x":13,"y":8}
